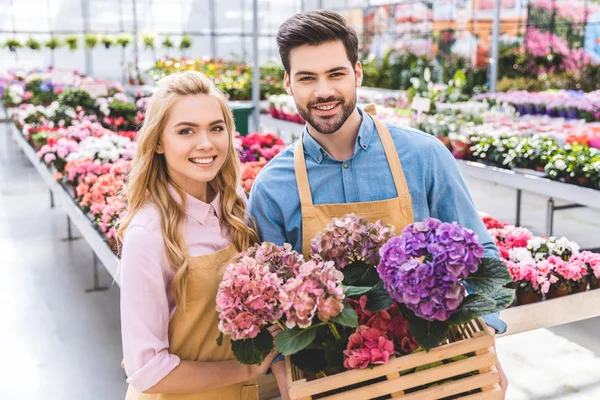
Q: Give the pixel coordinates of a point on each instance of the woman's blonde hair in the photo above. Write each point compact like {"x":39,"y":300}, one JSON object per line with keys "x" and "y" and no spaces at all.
{"x":149,"y":178}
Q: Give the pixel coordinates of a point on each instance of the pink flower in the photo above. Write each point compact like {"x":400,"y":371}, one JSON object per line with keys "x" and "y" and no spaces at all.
{"x":316,"y":290}
{"x":48,"y":158}
{"x":247,"y":299}
{"x":367,"y":346}
{"x":27,"y":95}
{"x":589,"y":260}
{"x":58,"y":90}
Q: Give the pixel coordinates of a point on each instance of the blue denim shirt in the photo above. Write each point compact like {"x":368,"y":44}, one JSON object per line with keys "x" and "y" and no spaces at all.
{"x":433,"y":178}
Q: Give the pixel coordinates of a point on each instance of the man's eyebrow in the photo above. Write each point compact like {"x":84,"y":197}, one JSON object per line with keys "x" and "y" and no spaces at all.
{"x":329,"y":71}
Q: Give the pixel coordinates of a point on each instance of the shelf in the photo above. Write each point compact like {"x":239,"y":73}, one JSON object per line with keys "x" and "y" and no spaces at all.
{"x":549,"y":313}
{"x":77,"y":217}
{"x":531,"y":183}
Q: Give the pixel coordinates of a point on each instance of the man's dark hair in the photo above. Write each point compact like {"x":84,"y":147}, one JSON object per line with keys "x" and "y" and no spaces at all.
{"x":314,"y":28}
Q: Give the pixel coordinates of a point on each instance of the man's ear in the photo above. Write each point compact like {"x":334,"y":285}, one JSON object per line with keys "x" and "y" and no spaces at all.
{"x":287,"y":84}
{"x":358,"y":72}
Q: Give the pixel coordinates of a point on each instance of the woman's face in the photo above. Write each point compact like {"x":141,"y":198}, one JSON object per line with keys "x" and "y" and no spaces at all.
{"x":195,"y":142}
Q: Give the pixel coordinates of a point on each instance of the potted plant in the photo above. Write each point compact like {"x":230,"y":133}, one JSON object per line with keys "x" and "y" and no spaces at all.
{"x":167,"y":43}
{"x":72,"y":42}
{"x":12,"y":45}
{"x":148,"y":40}
{"x":91,"y":41}
{"x":124,"y":39}
{"x":185,"y":43}
{"x":33,"y":44}
{"x":53,"y":43}
{"x":107,"y":41}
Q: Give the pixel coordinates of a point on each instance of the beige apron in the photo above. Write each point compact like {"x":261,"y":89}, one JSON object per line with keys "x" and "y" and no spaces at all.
{"x":396,"y":211}
{"x":193,"y":333}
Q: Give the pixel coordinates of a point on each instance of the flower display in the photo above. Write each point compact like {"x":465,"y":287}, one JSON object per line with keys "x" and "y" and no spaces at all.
{"x":423,"y":268}
{"x":350,"y":238}
{"x":257,"y":147}
{"x":250,"y":170}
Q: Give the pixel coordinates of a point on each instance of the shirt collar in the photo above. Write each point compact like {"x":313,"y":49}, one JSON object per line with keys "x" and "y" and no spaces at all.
{"x":197,"y":209}
{"x":365,"y":134}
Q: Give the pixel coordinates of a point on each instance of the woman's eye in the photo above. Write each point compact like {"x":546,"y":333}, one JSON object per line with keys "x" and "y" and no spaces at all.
{"x":218,"y":129}
{"x":186,"y":131}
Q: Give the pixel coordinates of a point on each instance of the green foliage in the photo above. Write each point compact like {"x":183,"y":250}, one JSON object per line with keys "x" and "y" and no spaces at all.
{"x":72,"y":42}
{"x":185,"y":43}
{"x":33,"y":44}
{"x":53,"y":43}
{"x":91,"y":41}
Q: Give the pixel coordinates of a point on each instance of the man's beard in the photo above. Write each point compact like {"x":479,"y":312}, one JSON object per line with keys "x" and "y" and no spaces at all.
{"x":330,"y":124}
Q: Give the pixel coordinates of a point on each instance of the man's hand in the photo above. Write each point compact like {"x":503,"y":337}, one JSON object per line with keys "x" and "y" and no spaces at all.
{"x":278,"y":370}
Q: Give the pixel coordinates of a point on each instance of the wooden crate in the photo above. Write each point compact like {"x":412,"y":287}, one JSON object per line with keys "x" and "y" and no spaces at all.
{"x":473,"y":340}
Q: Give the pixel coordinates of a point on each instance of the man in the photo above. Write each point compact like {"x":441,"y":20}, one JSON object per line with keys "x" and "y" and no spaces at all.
{"x":347,"y":161}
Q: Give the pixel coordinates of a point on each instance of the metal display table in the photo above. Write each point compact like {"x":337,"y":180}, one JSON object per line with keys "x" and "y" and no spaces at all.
{"x":101,"y":250}
{"x":577,"y":196}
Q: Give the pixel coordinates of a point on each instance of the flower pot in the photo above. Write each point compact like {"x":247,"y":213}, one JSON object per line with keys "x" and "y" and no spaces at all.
{"x":557,"y":290}
{"x":460,"y":149}
{"x":540,"y":168}
{"x":527,"y":297}
{"x":446,"y":141}
{"x":594,"y":284}
{"x":579,"y":287}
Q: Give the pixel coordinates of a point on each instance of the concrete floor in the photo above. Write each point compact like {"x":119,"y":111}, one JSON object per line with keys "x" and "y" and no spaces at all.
{"x":63,"y":343}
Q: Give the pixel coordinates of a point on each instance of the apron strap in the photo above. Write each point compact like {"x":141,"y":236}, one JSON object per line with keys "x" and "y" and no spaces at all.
{"x":301,"y":174}
{"x":392,"y":156}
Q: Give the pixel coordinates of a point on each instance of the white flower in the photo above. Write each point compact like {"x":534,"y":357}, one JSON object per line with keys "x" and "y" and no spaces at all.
{"x":519,"y":254}
{"x":560,"y":165}
{"x":535,"y":243}
{"x":563,"y":244}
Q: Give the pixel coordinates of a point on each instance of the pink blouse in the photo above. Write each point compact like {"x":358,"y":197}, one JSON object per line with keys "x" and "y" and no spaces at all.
{"x":147,"y":302}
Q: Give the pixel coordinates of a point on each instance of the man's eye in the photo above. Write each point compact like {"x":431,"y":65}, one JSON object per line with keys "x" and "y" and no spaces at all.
{"x":306,"y":78}
{"x":336,"y":74}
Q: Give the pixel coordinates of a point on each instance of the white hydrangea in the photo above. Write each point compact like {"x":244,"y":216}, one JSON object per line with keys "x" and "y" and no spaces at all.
{"x":560,"y":165}
{"x":15,"y":94}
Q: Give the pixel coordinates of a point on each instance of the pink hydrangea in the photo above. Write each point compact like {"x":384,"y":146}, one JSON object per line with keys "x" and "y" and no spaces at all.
{"x":247,"y":299}
{"x":281,"y":260}
{"x":367,"y":346}
{"x":316,"y":290}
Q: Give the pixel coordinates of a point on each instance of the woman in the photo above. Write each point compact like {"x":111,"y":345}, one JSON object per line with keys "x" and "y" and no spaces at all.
{"x":186,"y":219}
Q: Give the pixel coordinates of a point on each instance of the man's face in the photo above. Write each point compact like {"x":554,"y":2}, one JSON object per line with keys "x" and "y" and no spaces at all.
{"x":323,"y":83}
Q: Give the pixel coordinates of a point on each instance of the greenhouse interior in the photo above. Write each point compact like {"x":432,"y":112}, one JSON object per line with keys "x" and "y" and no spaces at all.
{"x":300,"y":199}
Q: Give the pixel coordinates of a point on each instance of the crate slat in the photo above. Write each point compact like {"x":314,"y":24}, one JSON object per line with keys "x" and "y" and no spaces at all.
{"x":418,"y":379}
{"x":453,"y":388}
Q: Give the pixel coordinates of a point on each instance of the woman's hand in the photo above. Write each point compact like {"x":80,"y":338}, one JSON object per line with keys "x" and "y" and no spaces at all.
{"x":256,"y":370}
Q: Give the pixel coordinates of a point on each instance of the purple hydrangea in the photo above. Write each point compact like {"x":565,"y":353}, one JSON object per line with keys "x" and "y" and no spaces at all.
{"x":425,"y":266}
